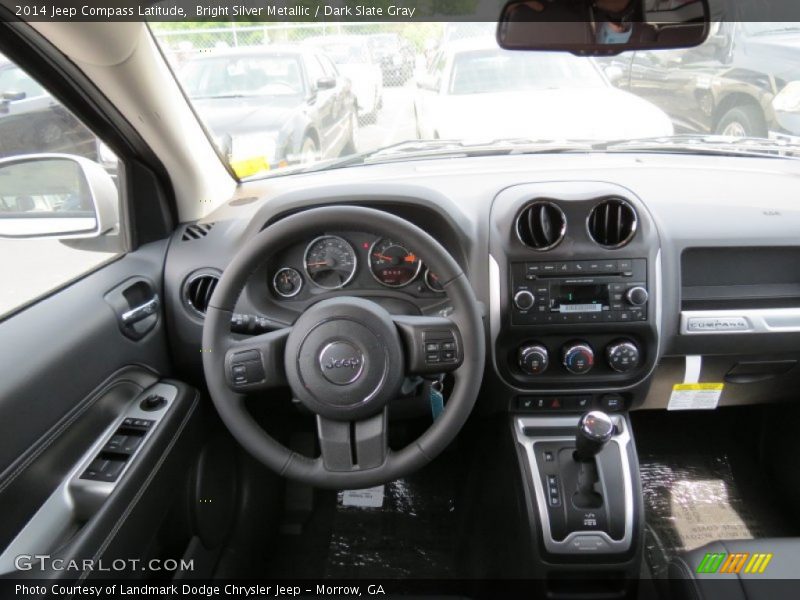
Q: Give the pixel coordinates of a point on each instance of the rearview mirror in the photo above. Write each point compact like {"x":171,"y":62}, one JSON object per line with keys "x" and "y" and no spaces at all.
{"x":602,"y":27}
{"x":56,"y":195}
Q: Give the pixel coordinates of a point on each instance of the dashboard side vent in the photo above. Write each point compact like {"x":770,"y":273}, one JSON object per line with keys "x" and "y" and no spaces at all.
{"x":541,"y":225}
{"x":195,"y":231}
{"x":612,"y":223}
{"x":198,"y":290}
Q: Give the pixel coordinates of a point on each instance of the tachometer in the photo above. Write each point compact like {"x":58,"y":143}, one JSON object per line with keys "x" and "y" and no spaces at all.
{"x":330,"y":262}
{"x":392,"y":264}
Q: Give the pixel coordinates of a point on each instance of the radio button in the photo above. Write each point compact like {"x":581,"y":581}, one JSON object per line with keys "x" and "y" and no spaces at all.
{"x":637,"y":296}
{"x":524,"y":300}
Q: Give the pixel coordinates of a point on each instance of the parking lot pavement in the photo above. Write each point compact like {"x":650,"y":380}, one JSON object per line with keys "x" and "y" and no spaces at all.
{"x":395,"y":122}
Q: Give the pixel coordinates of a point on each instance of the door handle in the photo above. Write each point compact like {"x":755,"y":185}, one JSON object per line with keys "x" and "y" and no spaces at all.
{"x":136,"y":306}
{"x":141,"y":312}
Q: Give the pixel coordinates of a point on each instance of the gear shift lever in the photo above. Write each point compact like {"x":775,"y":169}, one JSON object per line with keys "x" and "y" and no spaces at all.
{"x":595,"y":429}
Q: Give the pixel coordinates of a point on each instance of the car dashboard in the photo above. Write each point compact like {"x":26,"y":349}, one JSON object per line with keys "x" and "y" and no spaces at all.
{"x":589,"y":268}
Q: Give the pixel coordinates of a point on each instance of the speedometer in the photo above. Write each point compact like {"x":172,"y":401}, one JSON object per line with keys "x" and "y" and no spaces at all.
{"x":330,"y":262}
{"x":392,"y":264}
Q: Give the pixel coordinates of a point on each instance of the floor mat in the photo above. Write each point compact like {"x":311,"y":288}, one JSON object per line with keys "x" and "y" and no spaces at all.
{"x":412,"y":533}
{"x":692,"y":500}
{"x":700,"y":485}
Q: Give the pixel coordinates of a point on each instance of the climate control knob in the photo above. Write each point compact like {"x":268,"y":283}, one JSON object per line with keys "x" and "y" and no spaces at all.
{"x":623,"y":356}
{"x":578,"y":358}
{"x":637,"y":296}
{"x":533,"y":359}
{"x":524,"y":300}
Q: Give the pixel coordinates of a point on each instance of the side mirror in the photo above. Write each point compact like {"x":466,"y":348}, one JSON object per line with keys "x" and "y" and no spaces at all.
{"x":326,"y":83}
{"x":56,"y":196}
{"x":601,"y":27}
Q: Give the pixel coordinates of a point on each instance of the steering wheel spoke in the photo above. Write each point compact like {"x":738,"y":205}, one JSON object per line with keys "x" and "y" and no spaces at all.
{"x":432,"y":344}
{"x":353,"y":445}
{"x":256,"y":363}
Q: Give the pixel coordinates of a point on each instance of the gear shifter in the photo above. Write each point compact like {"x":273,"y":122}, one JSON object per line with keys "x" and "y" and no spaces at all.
{"x":595,"y":429}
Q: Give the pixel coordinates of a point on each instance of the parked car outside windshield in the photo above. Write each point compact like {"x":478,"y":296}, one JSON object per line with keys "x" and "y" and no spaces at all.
{"x":271,"y":107}
{"x":354,"y":60}
{"x":530,"y":95}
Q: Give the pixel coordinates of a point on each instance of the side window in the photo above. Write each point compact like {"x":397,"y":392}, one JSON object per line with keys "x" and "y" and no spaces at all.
{"x":314,"y":70}
{"x":51,"y":219}
{"x":328,"y":66}
{"x":437,"y":69}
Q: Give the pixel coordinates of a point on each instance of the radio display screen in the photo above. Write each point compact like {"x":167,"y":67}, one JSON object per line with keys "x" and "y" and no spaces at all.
{"x":580,"y":298}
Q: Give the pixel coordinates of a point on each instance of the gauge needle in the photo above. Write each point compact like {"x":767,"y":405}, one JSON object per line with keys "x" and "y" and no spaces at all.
{"x":382,"y":256}
{"x":324,"y":263}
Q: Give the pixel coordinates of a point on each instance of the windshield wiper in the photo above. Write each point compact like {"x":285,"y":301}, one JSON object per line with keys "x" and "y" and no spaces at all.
{"x":422,"y":149}
{"x":704,"y":144}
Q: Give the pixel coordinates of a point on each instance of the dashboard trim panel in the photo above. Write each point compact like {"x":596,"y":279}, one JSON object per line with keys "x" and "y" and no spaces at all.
{"x":748,"y":321}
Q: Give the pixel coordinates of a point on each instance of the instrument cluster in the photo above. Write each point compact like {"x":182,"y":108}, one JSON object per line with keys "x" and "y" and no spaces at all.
{"x":337,"y":261}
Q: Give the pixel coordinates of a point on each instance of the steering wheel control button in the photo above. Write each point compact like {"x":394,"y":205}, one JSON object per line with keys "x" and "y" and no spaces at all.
{"x":246,"y":368}
{"x":440,"y":347}
{"x":533,"y":359}
{"x":341,"y":362}
{"x":623,"y":356}
{"x":578,"y":358}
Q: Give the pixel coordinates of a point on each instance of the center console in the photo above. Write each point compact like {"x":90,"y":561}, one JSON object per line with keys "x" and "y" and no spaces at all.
{"x":574,"y":322}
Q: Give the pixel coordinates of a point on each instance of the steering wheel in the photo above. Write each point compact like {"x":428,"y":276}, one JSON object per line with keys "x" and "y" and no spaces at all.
{"x":344,"y":359}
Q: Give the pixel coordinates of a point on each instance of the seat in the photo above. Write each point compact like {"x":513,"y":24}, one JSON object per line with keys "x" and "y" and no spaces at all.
{"x":767,"y":568}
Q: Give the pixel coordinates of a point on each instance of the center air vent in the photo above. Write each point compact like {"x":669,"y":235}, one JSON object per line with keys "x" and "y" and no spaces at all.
{"x":541,"y":225}
{"x":198,"y":290}
{"x":612,"y":223}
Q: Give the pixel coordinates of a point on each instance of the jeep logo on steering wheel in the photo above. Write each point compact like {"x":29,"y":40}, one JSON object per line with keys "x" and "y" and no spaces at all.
{"x":341,"y":362}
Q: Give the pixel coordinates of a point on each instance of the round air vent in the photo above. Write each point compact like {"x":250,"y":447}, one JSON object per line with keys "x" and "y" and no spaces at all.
{"x":541,"y":225}
{"x":198,"y":290}
{"x":612,"y":223}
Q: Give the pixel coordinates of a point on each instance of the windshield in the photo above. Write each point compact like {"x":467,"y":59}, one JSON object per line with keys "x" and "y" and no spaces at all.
{"x":253,"y":75}
{"x":281,"y":97}
{"x":498,"y":71}
{"x":345,"y":53}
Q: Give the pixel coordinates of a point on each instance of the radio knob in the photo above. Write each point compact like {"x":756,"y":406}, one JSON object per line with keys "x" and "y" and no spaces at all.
{"x":623,"y":356}
{"x":637,"y":296}
{"x":524,"y":300}
{"x":533,"y":359}
{"x":578,"y":358}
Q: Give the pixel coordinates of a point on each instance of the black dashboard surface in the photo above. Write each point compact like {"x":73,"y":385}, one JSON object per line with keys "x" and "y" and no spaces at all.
{"x":682,"y":202}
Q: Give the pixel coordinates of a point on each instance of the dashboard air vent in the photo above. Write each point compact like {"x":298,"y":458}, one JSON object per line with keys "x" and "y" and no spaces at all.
{"x":198,"y":290}
{"x":541,"y":225}
{"x":612,"y":223}
{"x":195,"y":231}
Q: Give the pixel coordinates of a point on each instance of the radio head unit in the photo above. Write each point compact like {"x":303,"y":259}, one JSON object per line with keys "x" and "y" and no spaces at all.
{"x":579,"y":291}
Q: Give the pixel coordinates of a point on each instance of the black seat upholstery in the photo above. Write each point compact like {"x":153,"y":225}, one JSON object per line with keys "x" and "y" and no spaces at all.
{"x":779,"y":579}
